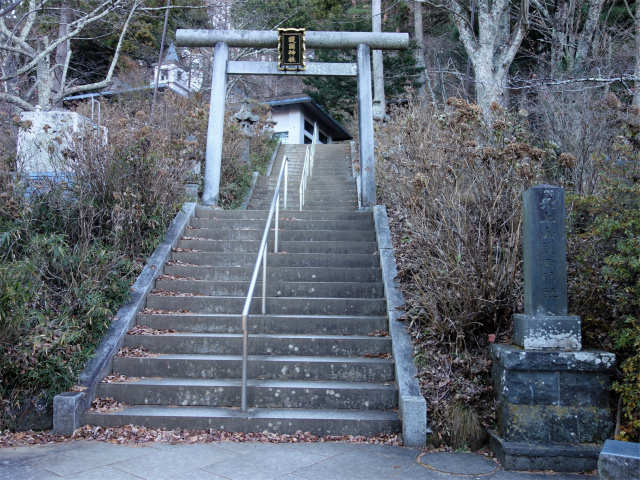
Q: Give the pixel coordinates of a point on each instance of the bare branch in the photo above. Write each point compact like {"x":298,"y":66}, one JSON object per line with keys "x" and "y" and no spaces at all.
{"x":15,"y":100}
{"x":114,"y":61}
{"x":79,"y":24}
{"x":10,"y":8}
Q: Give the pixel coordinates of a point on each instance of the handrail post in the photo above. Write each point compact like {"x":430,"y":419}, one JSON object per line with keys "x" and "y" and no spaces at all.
{"x":245,"y":348}
{"x":275,"y":233}
{"x":286,"y":182}
{"x":264,"y":280}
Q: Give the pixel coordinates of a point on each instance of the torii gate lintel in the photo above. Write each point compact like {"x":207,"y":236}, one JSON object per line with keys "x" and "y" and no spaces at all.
{"x":223,"y":39}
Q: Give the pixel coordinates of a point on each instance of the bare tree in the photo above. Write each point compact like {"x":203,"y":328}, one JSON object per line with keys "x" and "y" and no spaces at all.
{"x":491,"y":41}
{"x":28,"y":48}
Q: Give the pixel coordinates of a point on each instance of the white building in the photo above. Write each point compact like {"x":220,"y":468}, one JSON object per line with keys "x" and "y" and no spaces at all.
{"x":174,"y":76}
{"x":295,"y":117}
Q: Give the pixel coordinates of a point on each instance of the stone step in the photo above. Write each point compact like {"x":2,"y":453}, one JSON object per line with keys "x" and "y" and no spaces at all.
{"x":288,"y":225}
{"x":294,"y":180}
{"x":287,"y":274}
{"x":297,"y":260}
{"x":248,"y":246}
{"x":260,"y":393}
{"x":282,"y":421}
{"x":261,"y":344}
{"x":206,"y":213}
{"x":329,"y":189}
{"x":322,"y":208}
{"x":239,"y":288}
{"x":274,"y":306}
{"x":342,"y":369}
{"x":268,"y":324}
{"x":284,"y":235}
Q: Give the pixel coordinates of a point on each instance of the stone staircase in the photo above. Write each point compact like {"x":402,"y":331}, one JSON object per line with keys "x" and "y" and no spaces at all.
{"x":319,"y":360}
{"x":331,"y":188}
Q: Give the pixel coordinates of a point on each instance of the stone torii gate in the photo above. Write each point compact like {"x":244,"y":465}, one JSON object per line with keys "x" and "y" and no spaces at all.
{"x":363,"y":42}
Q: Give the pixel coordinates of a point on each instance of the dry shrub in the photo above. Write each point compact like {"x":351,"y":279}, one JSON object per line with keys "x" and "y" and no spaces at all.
{"x":466,"y":427}
{"x":585,"y":123}
{"x":460,"y":214}
{"x":182,"y":124}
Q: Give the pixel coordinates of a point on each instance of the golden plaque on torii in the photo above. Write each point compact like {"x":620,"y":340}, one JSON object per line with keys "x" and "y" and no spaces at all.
{"x":291,"y":49}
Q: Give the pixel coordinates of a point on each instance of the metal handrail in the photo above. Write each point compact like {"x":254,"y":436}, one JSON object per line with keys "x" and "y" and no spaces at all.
{"x":307,"y":169}
{"x":262,"y":257}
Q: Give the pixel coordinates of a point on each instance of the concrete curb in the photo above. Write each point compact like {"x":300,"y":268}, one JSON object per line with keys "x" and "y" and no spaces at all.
{"x":411,"y":404}
{"x":247,"y":196}
{"x":68,"y":406}
{"x":273,"y":158}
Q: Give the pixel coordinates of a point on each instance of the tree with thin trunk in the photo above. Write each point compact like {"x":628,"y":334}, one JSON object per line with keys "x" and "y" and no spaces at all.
{"x":570,"y":28}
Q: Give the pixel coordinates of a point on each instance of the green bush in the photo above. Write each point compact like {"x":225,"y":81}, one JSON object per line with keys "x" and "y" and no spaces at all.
{"x":604,"y":260}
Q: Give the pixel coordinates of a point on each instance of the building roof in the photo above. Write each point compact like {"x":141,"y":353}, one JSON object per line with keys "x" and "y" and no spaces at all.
{"x":172,"y":55}
{"x":111,"y":93}
{"x":338,"y":133}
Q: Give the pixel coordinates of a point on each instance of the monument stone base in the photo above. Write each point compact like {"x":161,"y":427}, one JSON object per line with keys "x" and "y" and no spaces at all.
{"x":547,"y":332}
{"x":551,"y":404}
{"x":537,"y":456}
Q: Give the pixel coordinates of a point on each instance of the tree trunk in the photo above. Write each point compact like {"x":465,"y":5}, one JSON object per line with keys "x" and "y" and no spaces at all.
{"x":491,"y":84}
{"x":636,"y":91}
{"x":588,"y":31}
{"x":419,"y":35}
{"x":559,"y":36}
{"x":44,"y":75}
{"x":493,"y":48}
{"x":59,"y":70}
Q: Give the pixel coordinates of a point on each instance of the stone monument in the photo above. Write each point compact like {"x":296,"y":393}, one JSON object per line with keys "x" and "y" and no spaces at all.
{"x":553,"y":397}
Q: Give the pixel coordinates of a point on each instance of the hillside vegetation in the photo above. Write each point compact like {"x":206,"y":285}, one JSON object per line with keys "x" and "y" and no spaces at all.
{"x":71,"y":245}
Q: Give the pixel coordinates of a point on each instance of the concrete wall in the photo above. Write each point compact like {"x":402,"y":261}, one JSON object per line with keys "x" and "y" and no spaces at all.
{"x":44,"y":136}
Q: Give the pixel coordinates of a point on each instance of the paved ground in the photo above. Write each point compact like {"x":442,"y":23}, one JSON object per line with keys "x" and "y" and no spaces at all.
{"x":252,"y":461}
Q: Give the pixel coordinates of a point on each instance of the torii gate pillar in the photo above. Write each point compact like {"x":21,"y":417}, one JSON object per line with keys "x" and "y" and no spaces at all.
{"x":215,"y":129}
{"x":223,"y":39}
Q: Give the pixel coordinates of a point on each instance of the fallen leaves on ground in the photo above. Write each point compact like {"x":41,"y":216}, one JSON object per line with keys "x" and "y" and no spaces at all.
{"x":174,"y":277}
{"x":158,"y":311}
{"x":162,"y":293}
{"x":178,"y":263}
{"x":378,"y":333}
{"x":142,"y":330}
{"x":184,"y":250}
{"x":135,"y":435}
{"x":192,"y":238}
{"x":106,"y":405}
{"x":118,"y":378}
{"x":139,"y":352}
{"x":377,"y":355}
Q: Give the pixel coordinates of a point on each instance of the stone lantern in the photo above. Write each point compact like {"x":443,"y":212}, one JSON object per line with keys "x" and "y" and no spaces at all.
{"x":246,"y":120}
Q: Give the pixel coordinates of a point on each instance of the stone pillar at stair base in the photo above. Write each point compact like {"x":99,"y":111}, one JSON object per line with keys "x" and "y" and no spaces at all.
{"x":551,"y":395}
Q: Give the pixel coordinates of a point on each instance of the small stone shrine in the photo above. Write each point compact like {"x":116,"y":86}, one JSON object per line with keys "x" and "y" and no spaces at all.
{"x":553,"y":397}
